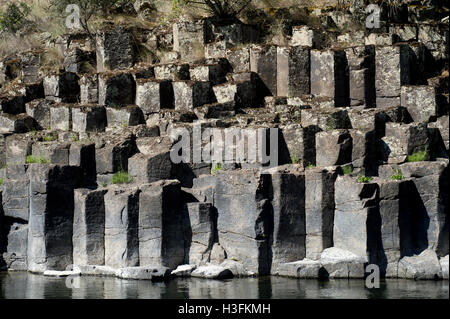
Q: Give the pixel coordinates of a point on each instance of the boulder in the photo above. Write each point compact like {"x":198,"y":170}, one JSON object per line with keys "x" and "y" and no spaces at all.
{"x":184,"y":270}
{"x":420,"y":267}
{"x":62,"y":87}
{"x":144,"y":273}
{"x":303,"y":269}
{"x":333,"y":148}
{"x":116,"y":89}
{"x":212,"y":272}
{"x":114,"y":49}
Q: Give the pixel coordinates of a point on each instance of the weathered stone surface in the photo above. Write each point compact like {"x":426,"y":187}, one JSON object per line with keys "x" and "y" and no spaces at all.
{"x":333,"y":148}
{"x":237,"y":269}
{"x":121,"y":226}
{"x":61,"y":117}
{"x":212,"y":272}
{"x":184,"y":270}
{"x":83,"y":156}
{"x":216,"y":111}
{"x":329,"y":76}
{"x":89,"y":227}
{"x":51,"y":216}
{"x":244,"y":218}
{"x":76,"y":58}
{"x":326,"y":119}
{"x":421,"y":102}
{"x":403,"y":32}
{"x":151,"y":167}
{"x":293,"y":71}
{"x":113,"y":155}
{"x":444,"y":266}
{"x":392,"y":71}
{"x":420,"y":267}
{"x":189,"y":39}
{"x":442,"y":124}
{"x":304,"y":269}
{"x":303,"y":36}
{"x":213,"y":73}
{"x":263,"y":61}
{"x":12,"y":104}
{"x":53,"y":152}
{"x":189,"y":94}
{"x":20,"y":123}
{"x":160,"y":229}
{"x":144,"y":273}
{"x":239,"y":58}
{"x":16,"y":192}
{"x":242,"y":90}
{"x":62,"y":87}
{"x":88,"y":119}
{"x":154,"y":95}
{"x":114,"y":49}
{"x":356,"y":217}
{"x":319,"y":210}
{"x":31,"y":62}
{"x":15,"y":252}
{"x":40,"y":111}
{"x":402,"y":140}
{"x":172,"y":72}
{"x":116,"y":89}
{"x":364,"y":152}
{"x":124,"y":117}
{"x":89,"y":89}
{"x":18,"y":147}
{"x":202,"y":218}
{"x":338,"y":263}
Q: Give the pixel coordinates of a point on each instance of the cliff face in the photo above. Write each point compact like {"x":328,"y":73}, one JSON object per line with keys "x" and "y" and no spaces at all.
{"x":355,"y":130}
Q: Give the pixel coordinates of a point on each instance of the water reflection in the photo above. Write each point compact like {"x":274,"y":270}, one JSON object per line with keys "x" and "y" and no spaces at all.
{"x":24,"y":285}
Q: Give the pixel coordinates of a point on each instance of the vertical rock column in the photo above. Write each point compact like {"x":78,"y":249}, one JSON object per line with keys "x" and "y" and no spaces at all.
{"x":51,"y":216}
{"x":160,"y":233}
{"x":293,"y":69}
{"x":245,"y":218}
{"x":356,"y":217}
{"x":89,"y":227}
{"x":121,"y":226}
{"x":319,"y":210}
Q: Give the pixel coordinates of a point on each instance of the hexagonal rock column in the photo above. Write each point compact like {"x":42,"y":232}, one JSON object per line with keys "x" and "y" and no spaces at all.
{"x":114,"y":49}
{"x":333,"y":148}
{"x":172,"y":71}
{"x":153,"y":95}
{"x":88,"y":119}
{"x":20,"y":123}
{"x":329,"y":76}
{"x":392,"y":71}
{"x":153,"y":166}
{"x":16,"y":192}
{"x":213,"y":73}
{"x":293,"y":71}
{"x":263,"y":61}
{"x":188,"y":38}
{"x":55,"y":152}
{"x":121,"y":226}
{"x":89,"y":227}
{"x":62,"y":87}
{"x":421,"y":102}
{"x":116,"y":89}
{"x":356,"y":216}
{"x":40,"y":111}
{"x":51,"y":216}
{"x":245,"y":219}
{"x":83,"y":156}
{"x":288,"y":205}
{"x":298,"y":144}
{"x":361,"y":62}
{"x":17,"y":148}
{"x":319,"y":210}
{"x":190,"y":94}
{"x":402,"y":140}
{"x":161,"y":241}
{"x":15,"y":234}
{"x":239,"y":58}
{"x":89,"y":89}
{"x":123,"y":117}
{"x":326,"y":118}
{"x":31,"y":62}
{"x":61,"y":117}
{"x":12,"y":104}
{"x":364,"y":152}
{"x":202,"y":229}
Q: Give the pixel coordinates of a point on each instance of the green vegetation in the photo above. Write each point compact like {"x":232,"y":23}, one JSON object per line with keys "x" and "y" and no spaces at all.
{"x":220,"y":8}
{"x":217,"y":167}
{"x":36,"y":160}
{"x":103,"y":184}
{"x":364,"y":179}
{"x":310,"y":165}
{"x":50,"y":138}
{"x":398,"y":176}
{"x":295,"y":159}
{"x":347,"y":170}
{"x":418,"y":156}
{"x":121,"y":177}
{"x":1,"y":181}
{"x":14,"y":17}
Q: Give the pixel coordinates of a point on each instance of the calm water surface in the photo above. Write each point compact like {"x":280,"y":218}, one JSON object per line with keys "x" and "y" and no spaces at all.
{"x":24,"y":285}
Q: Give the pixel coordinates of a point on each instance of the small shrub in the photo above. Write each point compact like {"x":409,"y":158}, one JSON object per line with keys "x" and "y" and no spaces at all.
{"x":398,"y":176}
{"x":217,"y":167}
{"x":36,"y":160}
{"x":49,"y":138}
{"x":121,"y":177}
{"x":418,"y":156}
{"x":15,"y":17}
{"x":1,"y":181}
{"x":295,"y":159}
{"x":364,"y":179}
{"x":347,"y":170}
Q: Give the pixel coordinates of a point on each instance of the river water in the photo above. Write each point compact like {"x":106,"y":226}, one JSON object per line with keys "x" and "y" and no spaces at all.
{"x":21,"y":285}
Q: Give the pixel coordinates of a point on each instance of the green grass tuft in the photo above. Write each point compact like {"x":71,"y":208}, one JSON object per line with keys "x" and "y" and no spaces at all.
{"x":364,"y":179}
{"x":121,"y":177}
{"x":418,"y":156}
{"x":295,"y":159}
{"x":1,"y":181}
{"x":217,"y":167}
{"x":398,"y":176}
{"x":36,"y":160}
{"x":347,"y":170}
{"x":310,"y":165}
